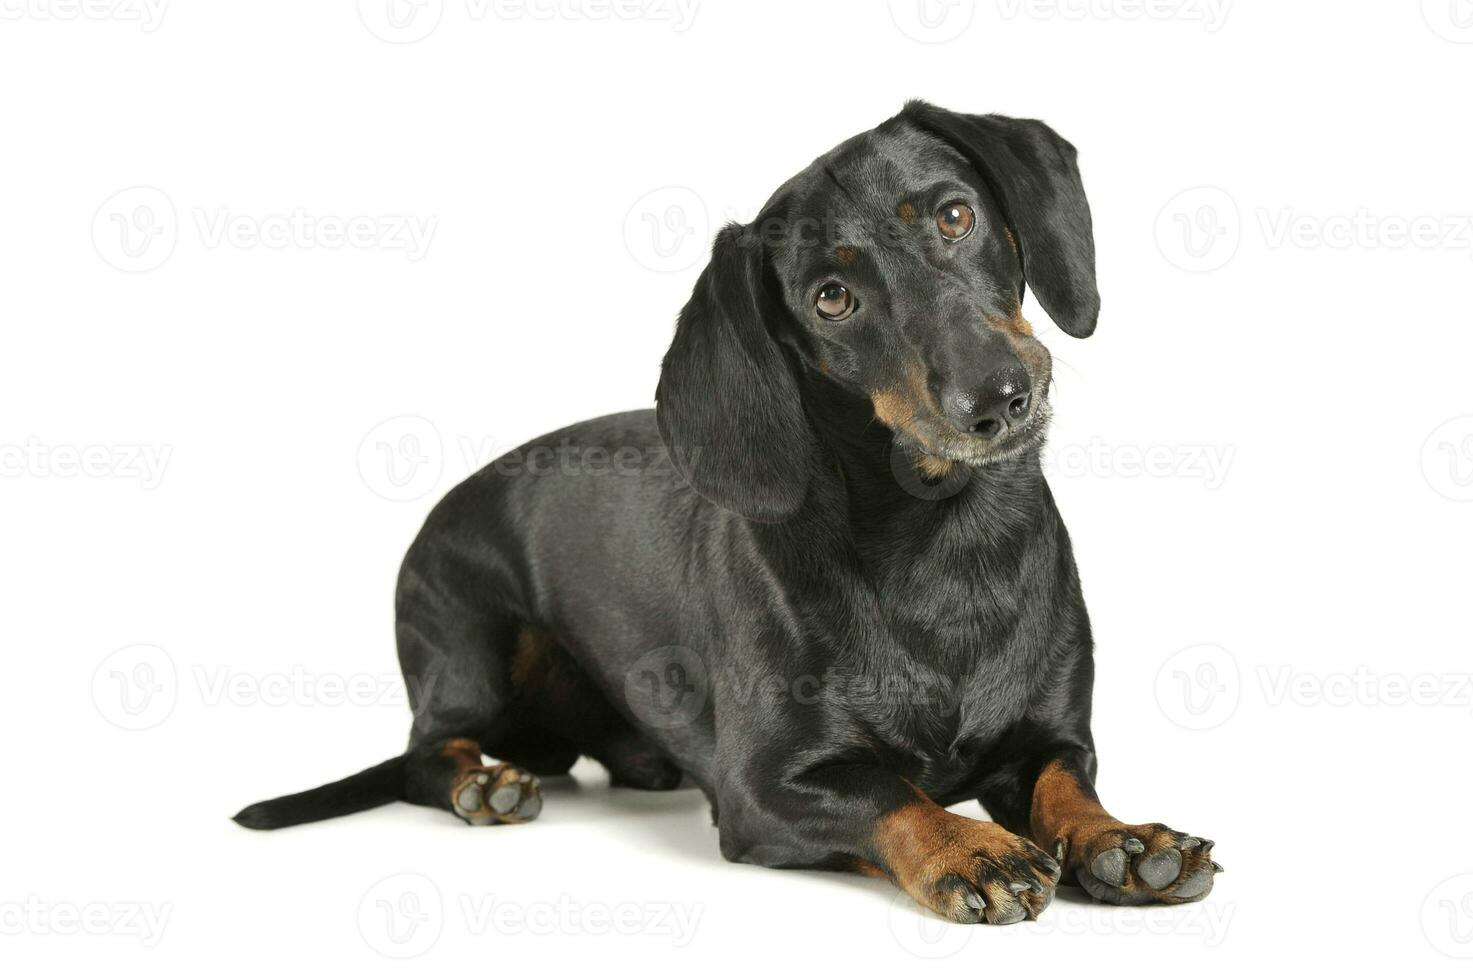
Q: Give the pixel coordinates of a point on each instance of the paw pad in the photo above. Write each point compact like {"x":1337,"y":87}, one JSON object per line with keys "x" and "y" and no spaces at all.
{"x":1136,"y":865}
{"x":497,"y":794}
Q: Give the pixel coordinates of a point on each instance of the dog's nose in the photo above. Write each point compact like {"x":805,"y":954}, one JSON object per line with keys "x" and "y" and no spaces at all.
{"x":998,"y":404}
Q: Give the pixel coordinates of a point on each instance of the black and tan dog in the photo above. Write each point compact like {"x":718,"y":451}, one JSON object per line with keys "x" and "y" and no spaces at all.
{"x":834,"y":626}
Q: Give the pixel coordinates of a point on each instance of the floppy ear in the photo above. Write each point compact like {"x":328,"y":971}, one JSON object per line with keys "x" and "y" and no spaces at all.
{"x":1031,"y":171}
{"x":727,"y":404}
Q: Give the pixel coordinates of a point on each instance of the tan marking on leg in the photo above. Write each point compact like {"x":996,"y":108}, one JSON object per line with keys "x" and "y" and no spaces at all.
{"x":1069,"y":822}
{"x":1062,"y":808}
{"x":530,"y":661}
{"x":927,"y":850}
{"x":915,"y":843}
{"x":465,"y":752}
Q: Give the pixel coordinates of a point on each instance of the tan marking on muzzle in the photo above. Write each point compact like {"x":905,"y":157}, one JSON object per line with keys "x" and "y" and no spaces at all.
{"x":893,"y":408}
{"x":897,"y":406}
{"x":1013,"y":324}
{"x":933,"y":467}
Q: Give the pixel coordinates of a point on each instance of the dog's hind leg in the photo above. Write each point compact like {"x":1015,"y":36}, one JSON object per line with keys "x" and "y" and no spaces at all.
{"x":456,"y":650}
{"x":451,"y":775}
{"x":558,"y":704}
{"x":461,"y":700}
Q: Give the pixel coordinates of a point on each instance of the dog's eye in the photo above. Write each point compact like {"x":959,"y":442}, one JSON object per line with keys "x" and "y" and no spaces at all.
{"x":833,"y":301}
{"x":955,"y":221}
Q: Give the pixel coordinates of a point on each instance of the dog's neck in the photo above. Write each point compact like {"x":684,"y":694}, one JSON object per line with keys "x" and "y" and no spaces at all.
{"x":882,"y":482}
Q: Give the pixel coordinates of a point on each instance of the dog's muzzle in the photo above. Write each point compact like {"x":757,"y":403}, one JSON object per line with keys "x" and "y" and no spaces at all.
{"x":992,"y":409}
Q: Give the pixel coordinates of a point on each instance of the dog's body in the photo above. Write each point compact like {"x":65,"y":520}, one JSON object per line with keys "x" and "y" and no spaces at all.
{"x":834,"y":626}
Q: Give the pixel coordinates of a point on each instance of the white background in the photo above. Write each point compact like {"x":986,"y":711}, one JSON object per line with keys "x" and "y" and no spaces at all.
{"x":217,"y":444}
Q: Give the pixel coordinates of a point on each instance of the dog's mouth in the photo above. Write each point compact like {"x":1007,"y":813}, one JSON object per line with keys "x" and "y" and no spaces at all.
{"x":936,"y":444}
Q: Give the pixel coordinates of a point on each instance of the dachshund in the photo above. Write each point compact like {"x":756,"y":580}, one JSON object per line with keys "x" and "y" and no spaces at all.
{"x":824,"y":580}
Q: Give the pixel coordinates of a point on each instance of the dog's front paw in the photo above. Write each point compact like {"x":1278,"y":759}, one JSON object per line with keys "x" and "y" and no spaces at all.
{"x":1136,"y":864}
{"x":971,"y":870}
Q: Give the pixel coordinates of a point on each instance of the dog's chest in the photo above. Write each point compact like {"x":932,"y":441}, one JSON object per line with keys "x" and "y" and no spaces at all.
{"x":948,"y":687}
{"x":942,"y":637}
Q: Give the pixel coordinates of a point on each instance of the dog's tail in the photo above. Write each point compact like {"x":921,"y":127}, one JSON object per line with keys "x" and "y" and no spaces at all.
{"x":384,"y":783}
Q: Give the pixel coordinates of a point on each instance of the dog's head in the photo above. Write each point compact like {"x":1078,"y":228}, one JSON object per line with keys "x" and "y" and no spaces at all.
{"x":894,"y":267}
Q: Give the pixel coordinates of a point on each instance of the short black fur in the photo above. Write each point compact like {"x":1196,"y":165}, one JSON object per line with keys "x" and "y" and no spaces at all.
{"x":871,"y":596}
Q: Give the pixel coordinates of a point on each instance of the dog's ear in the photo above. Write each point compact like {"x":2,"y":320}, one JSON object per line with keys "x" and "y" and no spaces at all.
{"x":1031,"y":171}
{"x":727,"y":404}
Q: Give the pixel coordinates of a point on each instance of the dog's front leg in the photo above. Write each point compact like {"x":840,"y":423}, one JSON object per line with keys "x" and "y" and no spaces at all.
{"x":1125,"y":864}
{"x":863,"y":819}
